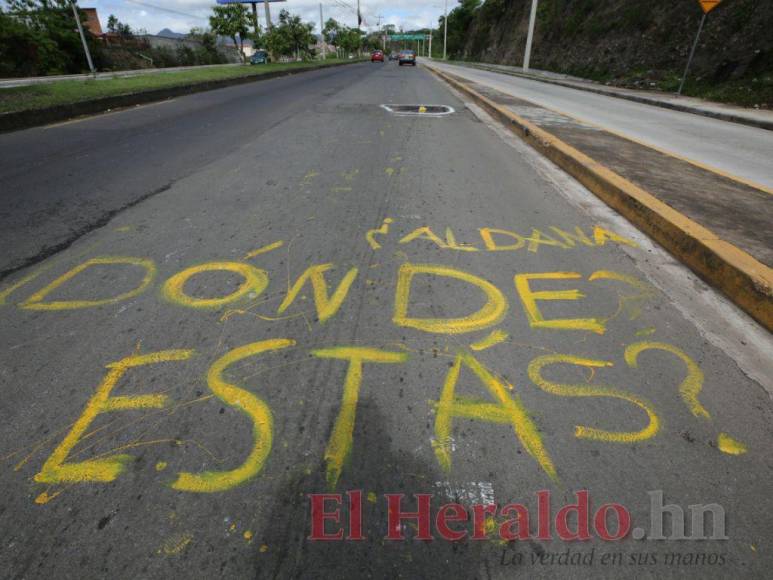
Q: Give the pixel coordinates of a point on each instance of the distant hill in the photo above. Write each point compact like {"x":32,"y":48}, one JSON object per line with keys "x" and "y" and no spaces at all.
{"x":166,"y":33}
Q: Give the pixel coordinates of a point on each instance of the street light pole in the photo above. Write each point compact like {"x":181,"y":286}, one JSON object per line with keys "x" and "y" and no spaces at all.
{"x":445,"y":33}
{"x":322,"y":33}
{"x":268,"y":16}
{"x":530,"y":37}
{"x":83,"y":38}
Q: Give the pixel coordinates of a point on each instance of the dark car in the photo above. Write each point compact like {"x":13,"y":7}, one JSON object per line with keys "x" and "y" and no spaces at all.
{"x":259,"y":57}
{"x":377,"y":56}
{"x":393,"y":56}
{"x":407,"y":57}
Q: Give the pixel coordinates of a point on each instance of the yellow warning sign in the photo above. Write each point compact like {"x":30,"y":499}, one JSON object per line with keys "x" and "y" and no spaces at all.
{"x":708,"y":5}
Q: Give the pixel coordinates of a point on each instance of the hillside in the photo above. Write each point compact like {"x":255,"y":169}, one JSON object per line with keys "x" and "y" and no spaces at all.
{"x":636,"y":43}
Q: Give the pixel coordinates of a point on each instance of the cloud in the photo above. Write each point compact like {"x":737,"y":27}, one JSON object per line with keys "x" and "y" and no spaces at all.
{"x":182,"y":15}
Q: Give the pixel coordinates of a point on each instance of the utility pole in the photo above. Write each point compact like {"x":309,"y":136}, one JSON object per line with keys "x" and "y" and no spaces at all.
{"x":322,"y":33}
{"x":445,"y":33}
{"x":268,"y":16}
{"x":255,"y":19}
{"x":430,"y":42}
{"x":83,"y":38}
{"x":530,"y":37}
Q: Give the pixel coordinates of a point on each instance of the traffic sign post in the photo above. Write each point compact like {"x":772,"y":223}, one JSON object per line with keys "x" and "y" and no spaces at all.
{"x":707,"y":6}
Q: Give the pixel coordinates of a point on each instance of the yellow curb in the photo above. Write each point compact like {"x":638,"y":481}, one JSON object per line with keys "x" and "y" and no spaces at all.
{"x":745,"y":280}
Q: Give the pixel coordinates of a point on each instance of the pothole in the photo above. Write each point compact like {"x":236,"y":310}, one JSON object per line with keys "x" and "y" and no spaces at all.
{"x":420,"y":110}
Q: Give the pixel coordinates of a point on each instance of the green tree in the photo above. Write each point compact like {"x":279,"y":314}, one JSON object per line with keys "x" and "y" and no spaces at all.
{"x":291,"y":36}
{"x":231,"y":20}
{"x":39,"y":37}
{"x":459,"y":20}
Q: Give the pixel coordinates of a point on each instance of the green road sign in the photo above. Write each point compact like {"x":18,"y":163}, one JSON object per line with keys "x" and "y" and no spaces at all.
{"x":407,"y":37}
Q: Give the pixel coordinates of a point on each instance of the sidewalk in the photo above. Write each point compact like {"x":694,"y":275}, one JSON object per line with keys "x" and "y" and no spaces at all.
{"x":762,"y":119}
{"x":717,"y":226}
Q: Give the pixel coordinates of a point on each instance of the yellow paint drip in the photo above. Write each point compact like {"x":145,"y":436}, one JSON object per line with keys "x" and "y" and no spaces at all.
{"x":264,"y":250}
{"x":176,"y":544}
{"x":493,"y":339}
{"x":729,"y":445}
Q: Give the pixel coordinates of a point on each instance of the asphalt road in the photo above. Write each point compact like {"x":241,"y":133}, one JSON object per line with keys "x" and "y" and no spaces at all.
{"x":171,"y":394}
{"x":739,"y":150}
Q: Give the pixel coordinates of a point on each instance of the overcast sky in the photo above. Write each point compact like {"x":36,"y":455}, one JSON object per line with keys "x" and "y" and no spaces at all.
{"x":182,"y":15}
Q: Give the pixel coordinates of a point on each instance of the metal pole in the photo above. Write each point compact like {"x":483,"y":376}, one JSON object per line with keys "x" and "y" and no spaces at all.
{"x":268,"y":16}
{"x":445,"y":33}
{"x":530,"y":37}
{"x":255,"y":20}
{"x":83,"y":38}
{"x":692,"y":53}
{"x":321,"y":33}
{"x":430,"y":43}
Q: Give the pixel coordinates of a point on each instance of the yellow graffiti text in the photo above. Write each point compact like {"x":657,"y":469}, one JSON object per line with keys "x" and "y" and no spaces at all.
{"x":55,"y":470}
{"x":35,"y":302}
{"x":530,"y":297}
{"x":690,"y":387}
{"x":258,"y":412}
{"x":491,"y":313}
{"x":593,"y":391}
{"x":326,"y":305}
{"x":340,"y":444}
{"x":506,"y":410}
{"x":255,"y":282}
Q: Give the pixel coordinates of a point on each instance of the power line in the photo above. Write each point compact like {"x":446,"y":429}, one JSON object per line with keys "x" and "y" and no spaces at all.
{"x":170,"y":10}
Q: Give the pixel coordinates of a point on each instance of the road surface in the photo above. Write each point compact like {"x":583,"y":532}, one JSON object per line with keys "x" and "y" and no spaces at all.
{"x":738,"y":150}
{"x":216,"y":306}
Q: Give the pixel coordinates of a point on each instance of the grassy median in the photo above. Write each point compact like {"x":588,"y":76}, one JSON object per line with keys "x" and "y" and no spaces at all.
{"x":67,"y":92}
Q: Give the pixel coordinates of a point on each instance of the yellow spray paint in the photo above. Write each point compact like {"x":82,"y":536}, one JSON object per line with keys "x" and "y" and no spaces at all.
{"x":506,"y":410}
{"x":602,"y":236}
{"x":632,"y":302}
{"x":487,"y":235}
{"x":255,"y":281}
{"x":35,"y":302}
{"x":729,"y":445}
{"x":530,"y":297}
{"x":452,"y":244}
{"x":56,"y":470}
{"x":383,"y":230}
{"x":690,"y":387}
{"x":255,"y":408}
{"x":340,"y":444}
{"x":490,"y":314}
{"x":570,"y":240}
{"x":594,"y":391}
{"x":264,"y":250}
{"x":326,"y":305}
{"x":493,"y":339}
{"x":424,"y":233}
{"x":538,"y":238}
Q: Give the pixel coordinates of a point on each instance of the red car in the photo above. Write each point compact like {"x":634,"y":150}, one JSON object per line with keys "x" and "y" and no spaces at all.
{"x":377,"y":56}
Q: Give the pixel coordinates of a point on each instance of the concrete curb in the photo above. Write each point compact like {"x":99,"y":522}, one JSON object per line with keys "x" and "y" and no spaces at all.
{"x":36,"y":117}
{"x":759,"y":124}
{"x":746,"y":281}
